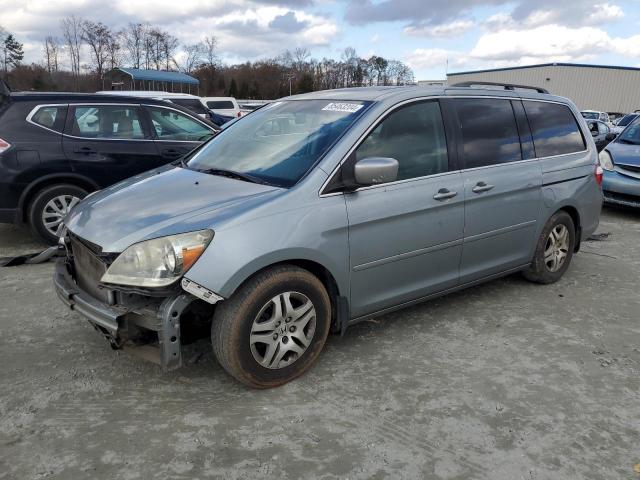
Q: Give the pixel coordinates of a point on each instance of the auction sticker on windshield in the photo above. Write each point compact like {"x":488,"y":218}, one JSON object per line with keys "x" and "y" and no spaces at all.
{"x":343,"y":107}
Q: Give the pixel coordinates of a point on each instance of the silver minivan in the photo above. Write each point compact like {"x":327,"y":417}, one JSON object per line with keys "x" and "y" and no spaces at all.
{"x":324,"y":209}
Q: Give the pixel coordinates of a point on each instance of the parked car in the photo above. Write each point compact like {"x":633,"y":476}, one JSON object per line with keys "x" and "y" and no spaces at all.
{"x":190,"y":102}
{"x":219,"y":120}
{"x":595,"y":115}
{"x":227,"y":106}
{"x":623,"y":122}
{"x":55,"y":148}
{"x":601,"y":133}
{"x":621,"y":163}
{"x":325,"y":209}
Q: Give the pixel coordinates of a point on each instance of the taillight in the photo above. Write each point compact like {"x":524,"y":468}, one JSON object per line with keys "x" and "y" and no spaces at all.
{"x":4,"y":145}
{"x":598,"y":172}
{"x":239,"y":114}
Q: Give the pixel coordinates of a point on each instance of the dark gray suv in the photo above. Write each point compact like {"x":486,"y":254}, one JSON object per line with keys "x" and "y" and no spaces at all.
{"x":324,"y":209}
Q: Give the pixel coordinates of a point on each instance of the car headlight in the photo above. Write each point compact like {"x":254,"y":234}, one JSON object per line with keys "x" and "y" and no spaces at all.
{"x":158,"y":262}
{"x":604,"y":158}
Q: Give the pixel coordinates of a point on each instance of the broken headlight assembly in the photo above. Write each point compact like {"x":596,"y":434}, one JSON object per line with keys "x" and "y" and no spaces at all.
{"x":158,"y":262}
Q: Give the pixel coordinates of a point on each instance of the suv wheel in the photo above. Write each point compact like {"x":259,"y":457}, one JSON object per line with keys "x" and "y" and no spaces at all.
{"x":273,"y":328}
{"x":49,"y":207}
{"x":554,"y":250}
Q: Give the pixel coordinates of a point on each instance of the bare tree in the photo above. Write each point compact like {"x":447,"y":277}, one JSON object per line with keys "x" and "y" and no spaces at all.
{"x":72,"y":33}
{"x":134,"y":38}
{"x":193,"y":60}
{"x":98,"y":38}
{"x":211,"y":47}
{"x":51,"y":52}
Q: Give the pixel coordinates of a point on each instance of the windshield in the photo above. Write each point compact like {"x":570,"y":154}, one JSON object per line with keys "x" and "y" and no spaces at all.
{"x":591,"y":115}
{"x":280,"y":142}
{"x":631,"y":134}
{"x":626,"y":120}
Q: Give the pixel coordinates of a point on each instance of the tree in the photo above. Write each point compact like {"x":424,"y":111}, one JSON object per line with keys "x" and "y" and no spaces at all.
{"x":13,"y":52}
{"x":211,"y":47}
{"x":233,"y":88}
{"x":51,"y":52}
{"x":194,"y":54}
{"x":98,"y":38}
{"x":72,"y":33}
{"x":305,"y":84}
{"x":133,"y":43}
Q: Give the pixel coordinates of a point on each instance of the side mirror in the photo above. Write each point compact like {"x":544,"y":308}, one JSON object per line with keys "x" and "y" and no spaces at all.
{"x":611,"y":137}
{"x":376,"y":170}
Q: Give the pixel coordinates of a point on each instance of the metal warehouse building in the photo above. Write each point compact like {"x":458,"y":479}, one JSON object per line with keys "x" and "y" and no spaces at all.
{"x":593,"y":87}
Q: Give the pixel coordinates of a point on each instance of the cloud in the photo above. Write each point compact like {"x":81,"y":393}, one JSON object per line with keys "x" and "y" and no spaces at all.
{"x":452,"y":29}
{"x":287,"y":23}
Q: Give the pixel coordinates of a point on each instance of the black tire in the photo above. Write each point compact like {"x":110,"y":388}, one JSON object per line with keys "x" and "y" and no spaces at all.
{"x":39,"y":202}
{"x":234,"y":318}
{"x":539,"y":271}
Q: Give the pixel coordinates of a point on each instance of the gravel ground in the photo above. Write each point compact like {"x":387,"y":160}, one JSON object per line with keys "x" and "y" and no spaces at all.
{"x":507,"y":380}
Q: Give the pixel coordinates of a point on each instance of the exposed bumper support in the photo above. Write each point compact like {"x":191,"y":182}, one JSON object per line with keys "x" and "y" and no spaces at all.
{"x":117,"y":323}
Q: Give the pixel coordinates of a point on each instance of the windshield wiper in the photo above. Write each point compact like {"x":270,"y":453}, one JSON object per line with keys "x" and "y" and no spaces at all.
{"x":627,"y":141}
{"x":233,"y":174}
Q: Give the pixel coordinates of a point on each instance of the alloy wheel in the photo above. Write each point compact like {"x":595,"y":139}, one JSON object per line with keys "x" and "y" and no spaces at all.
{"x":557,"y":248}
{"x":55,"y":210}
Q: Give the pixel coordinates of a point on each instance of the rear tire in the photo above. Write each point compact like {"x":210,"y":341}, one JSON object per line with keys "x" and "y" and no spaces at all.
{"x":49,"y":207}
{"x":273,"y":327}
{"x":554,"y":250}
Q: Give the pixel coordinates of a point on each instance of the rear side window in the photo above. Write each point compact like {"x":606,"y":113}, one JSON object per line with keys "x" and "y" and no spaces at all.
{"x":414,"y":136}
{"x":50,"y":117}
{"x":107,"y":121}
{"x":489,"y":131}
{"x":220,"y":105}
{"x":192,"y":104}
{"x":554,"y":128}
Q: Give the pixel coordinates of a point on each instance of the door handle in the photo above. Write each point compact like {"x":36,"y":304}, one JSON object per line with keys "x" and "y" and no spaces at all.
{"x":85,"y":150}
{"x":171,"y":153}
{"x":481,"y":187}
{"x":444,"y":194}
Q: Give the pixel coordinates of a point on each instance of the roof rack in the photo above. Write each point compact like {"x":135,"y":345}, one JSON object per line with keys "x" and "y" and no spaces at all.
{"x":506,"y":86}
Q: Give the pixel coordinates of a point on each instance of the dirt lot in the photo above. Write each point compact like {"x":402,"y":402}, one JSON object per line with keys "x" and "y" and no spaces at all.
{"x":508,"y":380}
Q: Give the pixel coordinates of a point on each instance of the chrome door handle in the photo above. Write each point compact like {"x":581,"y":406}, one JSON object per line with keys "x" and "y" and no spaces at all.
{"x":481,"y":187}
{"x":444,"y":194}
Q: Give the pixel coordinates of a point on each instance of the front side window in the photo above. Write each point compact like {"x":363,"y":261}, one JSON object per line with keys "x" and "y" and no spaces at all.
{"x":489,"y":131}
{"x":554,"y":128}
{"x":414,"y":136}
{"x":50,"y":117}
{"x":107,"y":122}
{"x":170,"y":124}
{"x":280,"y":142}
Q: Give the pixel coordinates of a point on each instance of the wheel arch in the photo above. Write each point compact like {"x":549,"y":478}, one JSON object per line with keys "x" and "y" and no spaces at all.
{"x":575,"y":216}
{"x":50,"y":180}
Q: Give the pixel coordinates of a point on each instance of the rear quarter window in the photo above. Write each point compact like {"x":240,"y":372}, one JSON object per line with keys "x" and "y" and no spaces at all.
{"x":220,"y":105}
{"x":554,"y":128}
{"x":50,"y":117}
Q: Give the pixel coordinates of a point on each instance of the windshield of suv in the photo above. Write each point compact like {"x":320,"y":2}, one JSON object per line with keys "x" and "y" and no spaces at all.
{"x":626,"y":120}
{"x":280,"y":142}
{"x":591,"y":115}
{"x":631,"y":134}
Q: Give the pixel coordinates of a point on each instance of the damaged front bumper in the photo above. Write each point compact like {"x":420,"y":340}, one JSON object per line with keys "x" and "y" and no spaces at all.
{"x":146,"y":326}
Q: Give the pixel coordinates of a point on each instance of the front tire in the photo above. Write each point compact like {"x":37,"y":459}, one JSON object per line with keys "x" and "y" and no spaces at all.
{"x":49,"y":207}
{"x":554,"y":250}
{"x":273,"y":328}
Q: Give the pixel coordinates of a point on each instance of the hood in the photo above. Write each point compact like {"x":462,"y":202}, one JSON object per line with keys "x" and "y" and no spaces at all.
{"x":157,"y":203}
{"x":624,"y":154}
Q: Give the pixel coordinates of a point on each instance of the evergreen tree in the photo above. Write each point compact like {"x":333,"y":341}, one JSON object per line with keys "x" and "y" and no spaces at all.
{"x":12,"y":51}
{"x":233,"y":88}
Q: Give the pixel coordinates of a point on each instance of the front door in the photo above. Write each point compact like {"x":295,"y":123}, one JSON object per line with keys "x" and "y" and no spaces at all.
{"x":405,"y":237}
{"x":108,"y":142}
{"x":502,"y":190}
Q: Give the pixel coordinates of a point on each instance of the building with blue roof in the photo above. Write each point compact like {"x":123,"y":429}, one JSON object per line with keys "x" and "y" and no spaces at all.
{"x":151,"y":80}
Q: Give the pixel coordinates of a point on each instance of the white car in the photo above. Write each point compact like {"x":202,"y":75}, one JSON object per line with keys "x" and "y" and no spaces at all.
{"x":227,"y":106}
{"x":595,"y":115}
{"x":623,"y":122}
{"x":192,"y":102}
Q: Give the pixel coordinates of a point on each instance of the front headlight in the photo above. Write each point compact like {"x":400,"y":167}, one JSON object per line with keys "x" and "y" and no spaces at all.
{"x":604,"y":158}
{"x":158,"y":262}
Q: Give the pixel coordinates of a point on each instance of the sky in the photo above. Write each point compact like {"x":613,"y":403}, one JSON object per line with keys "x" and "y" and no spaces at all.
{"x":431,"y":36}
